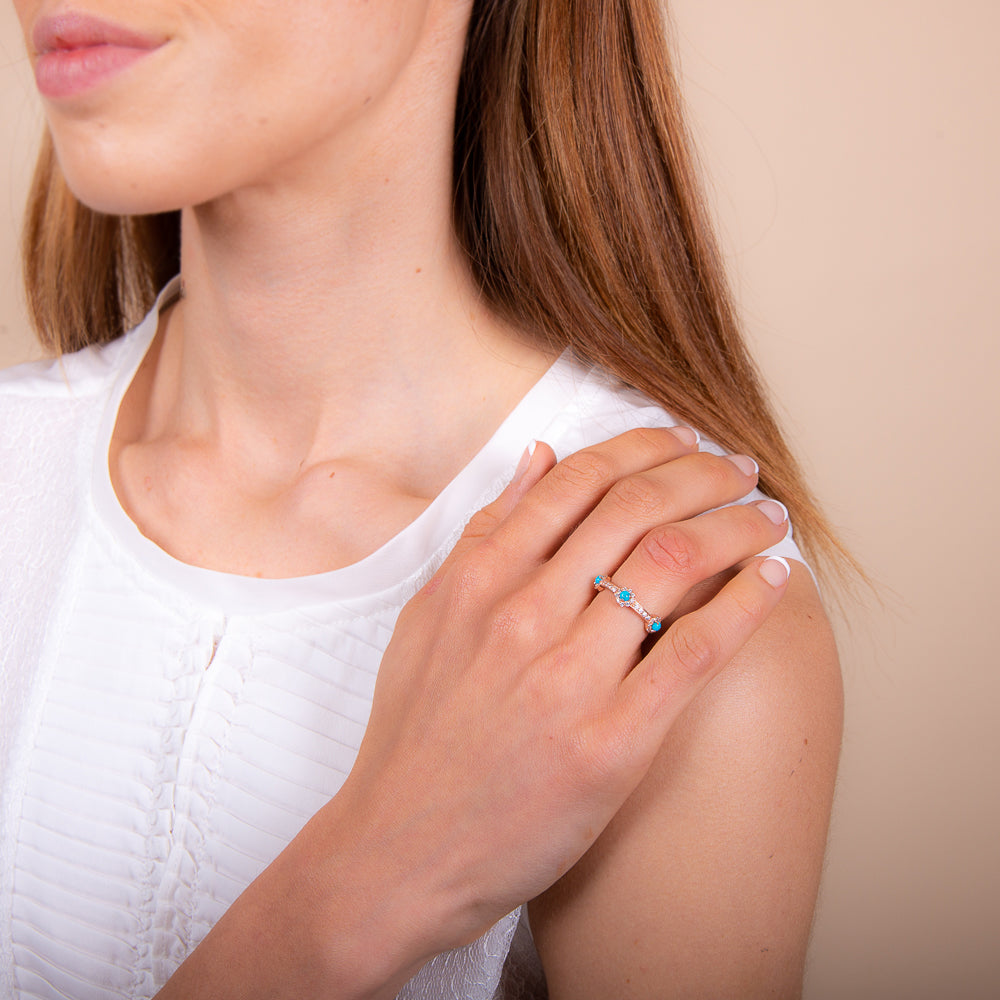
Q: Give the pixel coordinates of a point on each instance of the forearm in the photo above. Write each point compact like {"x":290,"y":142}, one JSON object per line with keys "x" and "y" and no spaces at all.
{"x":323,"y":920}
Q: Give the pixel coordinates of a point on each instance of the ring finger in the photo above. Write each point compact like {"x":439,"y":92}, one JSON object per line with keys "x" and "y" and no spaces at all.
{"x":668,"y":562}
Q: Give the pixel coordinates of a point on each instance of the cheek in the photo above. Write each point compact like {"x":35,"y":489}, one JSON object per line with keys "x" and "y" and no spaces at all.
{"x":143,"y":146}
{"x":26,"y":11}
{"x":183,"y":130}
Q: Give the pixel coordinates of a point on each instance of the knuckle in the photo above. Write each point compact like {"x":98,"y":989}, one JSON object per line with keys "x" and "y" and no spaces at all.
{"x":747,"y":611}
{"x":481,"y":524}
{"x":515,"y":620}
{"x":476,"y":576}
{"x":637,"y":497}
{"x":718,"y":473}
{"x":695,"y":650}
{"x":646,"y":442}
{"x":586,"y":471}
{"x":673,"y":552}
{"x":751,"y":526}
{"x":648,"y":438}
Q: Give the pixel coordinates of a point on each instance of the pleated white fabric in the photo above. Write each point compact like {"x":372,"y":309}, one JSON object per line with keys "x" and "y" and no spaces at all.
{"x":166,"y":730}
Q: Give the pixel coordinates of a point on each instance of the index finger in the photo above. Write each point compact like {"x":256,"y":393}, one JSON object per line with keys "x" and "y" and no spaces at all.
{"x":549,"y":512}
{"x":540,"y":508}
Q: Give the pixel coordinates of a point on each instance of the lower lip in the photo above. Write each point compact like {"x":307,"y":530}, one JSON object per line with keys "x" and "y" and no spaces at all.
{"x":69,"y":72}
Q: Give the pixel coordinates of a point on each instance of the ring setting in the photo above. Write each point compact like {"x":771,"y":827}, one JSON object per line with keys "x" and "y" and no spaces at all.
{"x":626,"y":599}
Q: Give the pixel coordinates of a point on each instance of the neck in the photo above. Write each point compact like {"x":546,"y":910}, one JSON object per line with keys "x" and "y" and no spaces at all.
{"x":309,"y":305}
{"x":287,"y":332}
{"x":333,"y":289}
{"x":330,"y":367}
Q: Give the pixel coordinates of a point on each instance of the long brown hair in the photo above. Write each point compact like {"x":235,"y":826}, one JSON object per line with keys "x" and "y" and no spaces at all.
{"x":89,"y":277}
{"x":579,"y":206}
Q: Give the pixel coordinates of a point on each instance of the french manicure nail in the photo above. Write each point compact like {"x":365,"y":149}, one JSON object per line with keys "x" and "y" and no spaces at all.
{"x":522,"y":465}
{"x":745,"y":464}
{"x":774,"y":510}
{"x":686,"y":435}
{"x":775,"y":571}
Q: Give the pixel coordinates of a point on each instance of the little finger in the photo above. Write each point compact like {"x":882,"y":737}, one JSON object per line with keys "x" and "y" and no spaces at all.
{"x":691,"y":652}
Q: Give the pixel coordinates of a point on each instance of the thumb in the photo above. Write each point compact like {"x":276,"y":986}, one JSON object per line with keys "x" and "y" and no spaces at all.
{"x":537,"y":460}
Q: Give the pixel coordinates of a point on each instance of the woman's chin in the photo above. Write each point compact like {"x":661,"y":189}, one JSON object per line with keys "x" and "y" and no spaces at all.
{"x":132,"y":191}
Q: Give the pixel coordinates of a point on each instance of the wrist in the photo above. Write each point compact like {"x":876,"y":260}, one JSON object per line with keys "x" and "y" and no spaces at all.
{"x":319,"y":922}
{"x":391,"y":887}
{"x":360,"y":899}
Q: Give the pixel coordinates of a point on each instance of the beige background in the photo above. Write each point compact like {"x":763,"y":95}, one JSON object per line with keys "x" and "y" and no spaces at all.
{"x":854,"y":153}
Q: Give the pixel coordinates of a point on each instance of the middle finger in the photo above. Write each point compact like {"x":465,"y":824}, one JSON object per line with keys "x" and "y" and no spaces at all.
{"x":671,"y":493}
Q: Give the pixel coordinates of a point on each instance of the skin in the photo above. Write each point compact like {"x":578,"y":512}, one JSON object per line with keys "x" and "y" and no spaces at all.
{"x":308,"y":146}
{"x":719,"y":850}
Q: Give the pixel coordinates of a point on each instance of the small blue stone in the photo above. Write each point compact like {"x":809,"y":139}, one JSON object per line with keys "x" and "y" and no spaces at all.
{"x":655,"y":626}
{"x":597,"y":582}
{"x":625,"y":595}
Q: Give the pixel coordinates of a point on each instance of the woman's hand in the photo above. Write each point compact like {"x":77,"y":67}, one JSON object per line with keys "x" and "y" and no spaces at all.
{"x":514,"y":710}
{"x":516,"y":707}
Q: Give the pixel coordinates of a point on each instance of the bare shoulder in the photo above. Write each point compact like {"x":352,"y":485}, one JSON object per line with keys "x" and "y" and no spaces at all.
{"x":704,"y":884}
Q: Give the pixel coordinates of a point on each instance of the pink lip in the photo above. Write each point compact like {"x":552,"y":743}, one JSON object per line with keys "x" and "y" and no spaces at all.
{"x":76,"y":52}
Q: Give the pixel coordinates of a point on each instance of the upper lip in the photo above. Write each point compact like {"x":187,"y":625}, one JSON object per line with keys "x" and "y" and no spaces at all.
{"x":76,"y":30}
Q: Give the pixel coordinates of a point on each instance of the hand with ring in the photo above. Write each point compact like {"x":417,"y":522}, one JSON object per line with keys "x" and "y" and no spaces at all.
{"x":515,"y":710}
{"x":517,"y":706}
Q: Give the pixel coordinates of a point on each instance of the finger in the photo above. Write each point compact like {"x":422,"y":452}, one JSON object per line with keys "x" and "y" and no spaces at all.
{"x":672,"y":559}
{"x":537,"y":460}
{"x":531,"y":519}
{"x":693,"y":651}
{"x":552,"y":509}
{"x":674,"y":492}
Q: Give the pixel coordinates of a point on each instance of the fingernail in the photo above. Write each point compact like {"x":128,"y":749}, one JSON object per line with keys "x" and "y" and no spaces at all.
{"x":775,"y":571}
{"x":745,"y":464}
{"x":773,"y":510}
{"x":686,"y":435}
{"x":522,"y":465}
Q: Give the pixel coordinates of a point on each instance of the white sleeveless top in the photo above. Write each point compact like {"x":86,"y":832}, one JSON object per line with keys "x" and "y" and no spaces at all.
{"x":166,"y":730}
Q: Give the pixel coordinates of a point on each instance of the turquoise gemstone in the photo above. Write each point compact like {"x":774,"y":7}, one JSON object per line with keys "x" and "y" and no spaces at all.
{"x":655,"y":626}
{"x":625,"y":595}
{"x":597,"y":582}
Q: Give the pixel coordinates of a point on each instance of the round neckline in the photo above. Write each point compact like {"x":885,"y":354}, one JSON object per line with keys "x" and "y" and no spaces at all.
{"x":399,"y":559}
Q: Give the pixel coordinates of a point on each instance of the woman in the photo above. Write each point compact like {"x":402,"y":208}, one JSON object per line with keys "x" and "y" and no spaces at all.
{"x":217,"y":518}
